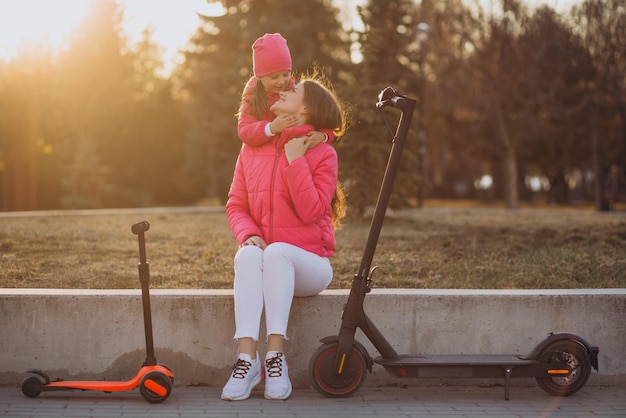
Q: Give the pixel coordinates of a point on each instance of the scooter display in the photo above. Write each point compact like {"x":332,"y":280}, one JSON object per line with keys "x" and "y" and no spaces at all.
{"x":153,"y":379}
{"x":561,"y":363}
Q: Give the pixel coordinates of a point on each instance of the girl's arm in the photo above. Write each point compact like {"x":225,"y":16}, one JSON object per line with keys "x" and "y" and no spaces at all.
{"x":252,"y":131}
{"x":317,"y":137}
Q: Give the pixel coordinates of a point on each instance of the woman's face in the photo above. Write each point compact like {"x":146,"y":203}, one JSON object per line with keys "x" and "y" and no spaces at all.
{"x":276,"y":82}
{"x":290,"y":102}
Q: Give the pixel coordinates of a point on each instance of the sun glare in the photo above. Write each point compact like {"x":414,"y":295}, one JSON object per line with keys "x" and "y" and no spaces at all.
{"x":33,"y":25}
{"x":27,"y":23}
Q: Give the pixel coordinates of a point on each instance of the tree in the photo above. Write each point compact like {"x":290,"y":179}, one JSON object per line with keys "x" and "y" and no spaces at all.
{"x":388,"y":33}
{"x":151,"y":165}
{"x":455,"y":153}
{"x":530,"y":72}
{"x":602,"y":26}
{"x":95,"y":99}
{"x":554,"y":136}
{"x":20,"y":114}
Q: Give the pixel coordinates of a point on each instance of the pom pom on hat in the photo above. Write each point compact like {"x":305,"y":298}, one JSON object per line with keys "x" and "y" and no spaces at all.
{"x":270,"y":54}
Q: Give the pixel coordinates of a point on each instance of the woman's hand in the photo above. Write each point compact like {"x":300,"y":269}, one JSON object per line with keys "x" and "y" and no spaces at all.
{"x":296,"y":148}
{"x":255,"y":240}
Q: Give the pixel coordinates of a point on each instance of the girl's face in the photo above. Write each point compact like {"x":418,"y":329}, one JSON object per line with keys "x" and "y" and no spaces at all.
{"x":276,"y":82}
{"x":290,"y":102}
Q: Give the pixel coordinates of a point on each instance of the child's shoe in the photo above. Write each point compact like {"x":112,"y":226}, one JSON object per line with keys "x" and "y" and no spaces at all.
{"x":247,"y":373}
{"x":277,"y":383}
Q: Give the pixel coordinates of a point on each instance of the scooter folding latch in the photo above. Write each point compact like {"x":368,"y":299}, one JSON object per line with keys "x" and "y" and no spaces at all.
{"x":368,"y":280}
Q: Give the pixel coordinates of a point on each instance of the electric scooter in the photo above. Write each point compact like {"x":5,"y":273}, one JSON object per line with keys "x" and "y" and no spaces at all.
{"x":154,"y":380}
{"x":561,"y":363}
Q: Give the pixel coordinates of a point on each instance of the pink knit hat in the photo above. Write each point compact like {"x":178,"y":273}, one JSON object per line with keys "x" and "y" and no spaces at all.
{"x":270,"y":54}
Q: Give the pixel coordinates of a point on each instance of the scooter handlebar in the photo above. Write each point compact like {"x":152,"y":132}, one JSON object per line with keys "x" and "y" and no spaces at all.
{"x":139,"y":227}
{"x":390,"y":97}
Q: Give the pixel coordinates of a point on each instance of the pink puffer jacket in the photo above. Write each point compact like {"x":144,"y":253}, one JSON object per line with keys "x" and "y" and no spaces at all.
{"x":283,"y":202}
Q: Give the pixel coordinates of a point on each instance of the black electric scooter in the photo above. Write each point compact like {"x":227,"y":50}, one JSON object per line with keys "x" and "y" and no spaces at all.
{"x":561,"y":363}
{"x":154,"y":380}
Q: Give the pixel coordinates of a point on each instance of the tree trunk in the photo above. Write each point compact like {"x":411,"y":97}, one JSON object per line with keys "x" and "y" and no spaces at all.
{"x":511,"y":194}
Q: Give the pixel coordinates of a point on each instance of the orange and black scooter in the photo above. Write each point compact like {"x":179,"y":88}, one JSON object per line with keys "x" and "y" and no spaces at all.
{"x":154,"y":380}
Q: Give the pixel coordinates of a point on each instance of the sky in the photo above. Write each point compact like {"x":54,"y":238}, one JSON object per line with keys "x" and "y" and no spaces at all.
{"x":173,"y":21}
{"x":28,"y":22}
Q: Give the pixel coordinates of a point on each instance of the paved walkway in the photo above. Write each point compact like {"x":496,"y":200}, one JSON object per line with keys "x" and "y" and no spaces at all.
{"x":387,"y":402}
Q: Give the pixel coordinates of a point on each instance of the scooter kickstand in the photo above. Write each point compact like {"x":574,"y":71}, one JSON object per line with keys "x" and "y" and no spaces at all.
{"x":507,"y":382}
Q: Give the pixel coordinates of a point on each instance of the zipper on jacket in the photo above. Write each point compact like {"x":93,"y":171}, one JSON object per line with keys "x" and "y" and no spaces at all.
{"x":272,"y":185}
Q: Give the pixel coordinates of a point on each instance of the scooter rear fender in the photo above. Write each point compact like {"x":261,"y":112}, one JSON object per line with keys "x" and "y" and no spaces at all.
{"x":552,"y":337}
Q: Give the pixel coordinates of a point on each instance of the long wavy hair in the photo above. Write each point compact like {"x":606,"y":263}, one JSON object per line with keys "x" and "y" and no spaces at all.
{"x":326,"y":112}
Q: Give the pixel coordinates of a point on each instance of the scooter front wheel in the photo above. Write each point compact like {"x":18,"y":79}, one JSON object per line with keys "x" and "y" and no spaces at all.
{"x":28,"y":386}
{"x":333,"y":385}
{"x":565,"y":353}
{"x":155,"y":387}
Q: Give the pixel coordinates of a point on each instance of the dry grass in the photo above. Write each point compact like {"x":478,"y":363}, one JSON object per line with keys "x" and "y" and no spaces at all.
{"x":430,"y":248}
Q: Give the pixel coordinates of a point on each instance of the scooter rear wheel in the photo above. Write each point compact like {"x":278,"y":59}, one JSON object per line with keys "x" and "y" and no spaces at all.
{"x":569,"y":353}
{"x":155,"y":387}
{"x":28,"y":386}
{"x":327,"y":382}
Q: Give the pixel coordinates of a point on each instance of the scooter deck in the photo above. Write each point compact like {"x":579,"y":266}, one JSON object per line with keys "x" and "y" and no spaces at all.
{"x":463,"y":366}
{"x":453,"y":360}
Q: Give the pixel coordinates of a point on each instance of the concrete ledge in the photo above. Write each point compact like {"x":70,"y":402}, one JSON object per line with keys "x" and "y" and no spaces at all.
{"x":98,"y":334}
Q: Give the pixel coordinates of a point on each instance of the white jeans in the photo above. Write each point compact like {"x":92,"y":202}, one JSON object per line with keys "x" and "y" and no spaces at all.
{"x":273,"y":277}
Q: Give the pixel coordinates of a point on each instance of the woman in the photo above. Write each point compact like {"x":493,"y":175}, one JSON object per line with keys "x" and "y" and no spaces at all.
{"x":282,"y":209}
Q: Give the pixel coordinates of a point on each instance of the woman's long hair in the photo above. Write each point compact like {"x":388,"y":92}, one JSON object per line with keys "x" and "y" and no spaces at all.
{"x":326,"y":112}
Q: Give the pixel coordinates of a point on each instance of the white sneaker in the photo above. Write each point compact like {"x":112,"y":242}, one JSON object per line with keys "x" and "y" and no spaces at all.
{"x":247,"y":373}
{"x":277,"y":383}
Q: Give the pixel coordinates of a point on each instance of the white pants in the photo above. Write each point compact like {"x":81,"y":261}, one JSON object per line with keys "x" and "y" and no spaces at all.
{"x":273,"y":277}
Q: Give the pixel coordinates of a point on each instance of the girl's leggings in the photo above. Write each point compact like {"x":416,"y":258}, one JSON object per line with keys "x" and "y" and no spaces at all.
{"x":271,"y":278}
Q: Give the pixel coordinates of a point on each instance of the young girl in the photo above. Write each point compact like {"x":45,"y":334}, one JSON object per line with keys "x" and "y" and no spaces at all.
{"x":257,"y":125}
{"x":282,"y":211}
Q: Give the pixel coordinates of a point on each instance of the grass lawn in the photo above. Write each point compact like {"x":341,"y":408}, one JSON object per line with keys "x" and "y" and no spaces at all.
{"x":435,"y":247}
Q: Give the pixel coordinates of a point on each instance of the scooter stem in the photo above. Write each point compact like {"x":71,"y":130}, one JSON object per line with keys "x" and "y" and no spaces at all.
{"x":144,"y":278}
{"x":353,"y":315}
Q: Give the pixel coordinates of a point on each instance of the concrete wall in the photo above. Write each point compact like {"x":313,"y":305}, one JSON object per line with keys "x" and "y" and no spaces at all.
{"x":98,"y":334}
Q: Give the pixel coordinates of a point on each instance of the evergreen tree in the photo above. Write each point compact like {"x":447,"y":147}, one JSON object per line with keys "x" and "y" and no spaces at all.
{"x":388,"y":34}
{"x":152,"y":163}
